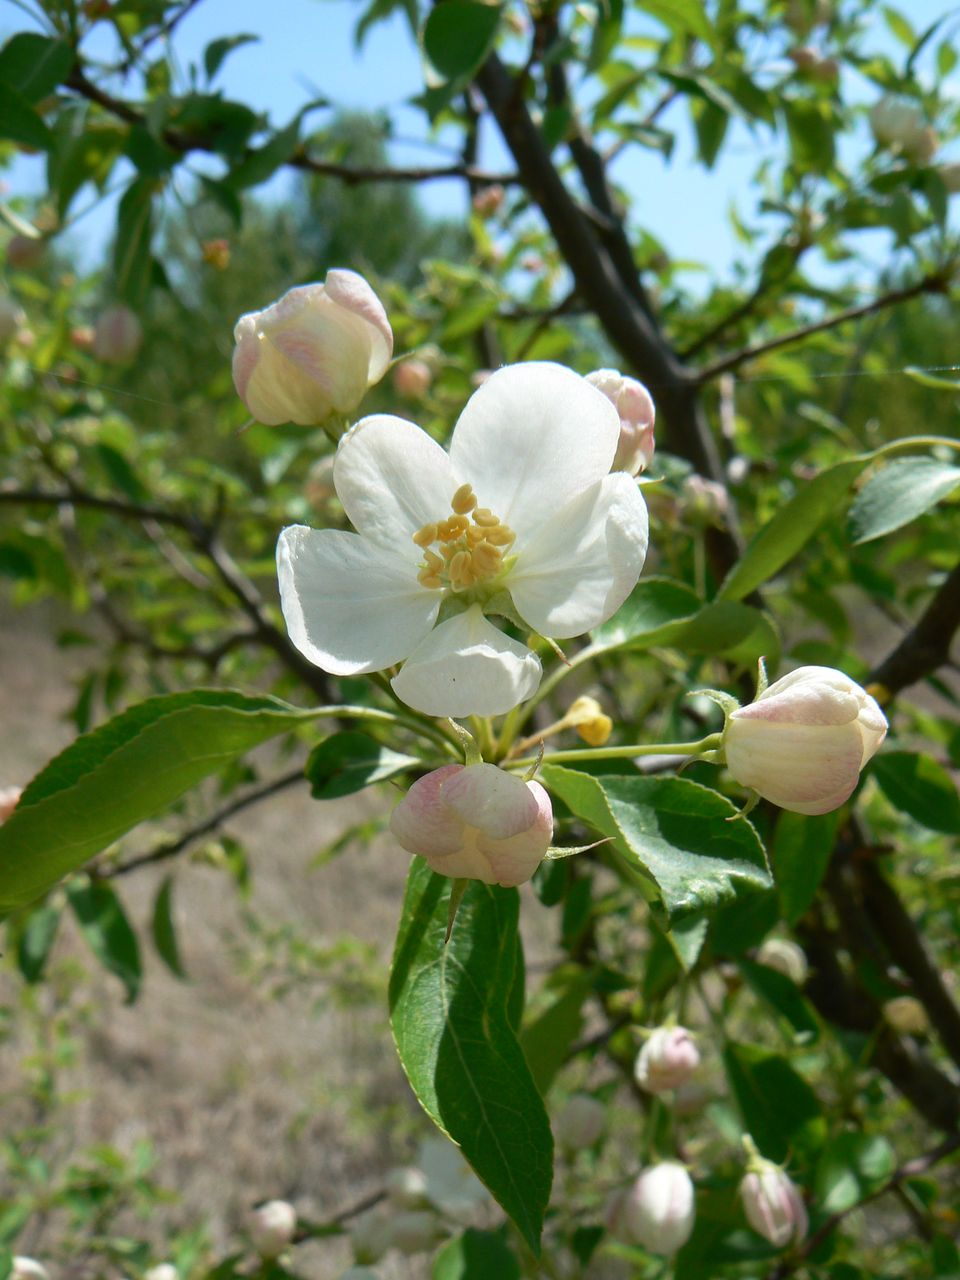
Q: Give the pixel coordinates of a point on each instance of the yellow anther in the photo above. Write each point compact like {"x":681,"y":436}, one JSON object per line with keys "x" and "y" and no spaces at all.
{"x":484,"y":516}
{"x":428,"y":579}
{"x":486,"y":559}
{"x":501,"y":536}
{"x":433,"y":562}
{"x":475,"y":534}
{"x":449,"y":550}
{"x":596,"y":732}
{"x":458,"y":525}
{"x":464,"y":500}
{"x":459,"y":566}
{"x":423,"y":537}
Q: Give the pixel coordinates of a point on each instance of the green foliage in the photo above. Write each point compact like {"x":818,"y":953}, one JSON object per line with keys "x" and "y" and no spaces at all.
{"x":348,"y":762}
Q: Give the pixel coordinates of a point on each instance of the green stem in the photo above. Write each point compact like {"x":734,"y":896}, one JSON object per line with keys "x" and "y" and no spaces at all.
{"x":710,"y":743}
{"x":378,"y":716}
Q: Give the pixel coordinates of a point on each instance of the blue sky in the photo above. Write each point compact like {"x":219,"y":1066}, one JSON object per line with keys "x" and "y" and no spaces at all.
{"x":306,"y":48}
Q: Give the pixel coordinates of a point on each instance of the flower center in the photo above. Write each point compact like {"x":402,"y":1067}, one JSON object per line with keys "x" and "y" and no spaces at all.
{"x":466,"y":553}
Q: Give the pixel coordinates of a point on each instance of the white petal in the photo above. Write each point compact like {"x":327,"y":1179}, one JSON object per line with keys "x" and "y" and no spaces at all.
{"x":805,"y":768}
{"x":530,"y":439}
{"x":392,"y":479}
{"x":467,"y":667}
{"x":349,"y":606}
{"x":585,"y":560}
{"x":499,"y":803}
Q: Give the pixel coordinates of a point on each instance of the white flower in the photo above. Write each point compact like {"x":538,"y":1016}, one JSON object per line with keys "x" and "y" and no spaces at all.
{"x":802,"y":744}
{"x":658,"y":1211}
{"x":272,"y":1227}
{"x":773,"y":1205}
{"x":667,"y":1060}
{"x":162,"y":1271}
{"x":313,"y":353}
{"x":521,"y":516}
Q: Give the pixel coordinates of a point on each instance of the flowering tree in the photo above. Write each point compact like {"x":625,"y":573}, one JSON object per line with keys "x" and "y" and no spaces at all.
{"x":556,"y":637}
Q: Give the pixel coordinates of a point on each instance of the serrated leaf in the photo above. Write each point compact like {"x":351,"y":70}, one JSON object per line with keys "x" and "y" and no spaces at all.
{"x":672,"y":833}
{"x":104,"y":924}
{"x":348,"y":762}
{"x":897,"y":494}
{"x":449,"y":1008}
{"x":34,"y":65}
{"x":164,"y":931}
{"x":458,"y":35}
{"x":920,"y":787}
{"x":128,"y":770}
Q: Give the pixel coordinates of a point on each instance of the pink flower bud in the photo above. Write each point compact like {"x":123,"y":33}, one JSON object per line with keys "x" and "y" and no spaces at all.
{"x":634,"y":404}
{"x":802,"y":744}
{"x":118,"y":335}
{"x":667,"y":1060}
{"x":313,"y":353}
{"x":272,"y":1227}
{"x":9,"y":799}
{"x":476,"y":822}
{"x":488,"y":200}
{"x":658,"y":1211}
{"x":580,"y":1123}
{"x":773,"y":1205}
{"x":412,"y":379}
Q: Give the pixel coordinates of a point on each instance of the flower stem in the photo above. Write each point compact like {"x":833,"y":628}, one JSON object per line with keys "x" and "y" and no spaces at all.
{"x":709,"y":743}
{"x":379,"y":716}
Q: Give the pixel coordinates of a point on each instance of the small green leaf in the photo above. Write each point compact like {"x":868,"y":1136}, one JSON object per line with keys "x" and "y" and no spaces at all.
{"x":801,"y":854}
{"x":36,"y":942}
{"x":779,"y":1108}
{"x":685,"y":17}
{"x":783,"y":996}
{"x":217,"y":50}
{"x":132,"y":264}
{"x":851,"y":1166}
{"x":897,"y":494}
{"x":34,"y":65}
{"x":348,"y":762}
{"x":476,"y":1255}
{"x":449,"y":1007}
{"x":20,"y":123}
{"x":458,"y":35}
{"x":920,"y":787}
{"x":164,"y":932}
{"x":104,"y":924}
{"x":556,"y":1021}
{"x":899,"y":26}
{"x":649,"y":615}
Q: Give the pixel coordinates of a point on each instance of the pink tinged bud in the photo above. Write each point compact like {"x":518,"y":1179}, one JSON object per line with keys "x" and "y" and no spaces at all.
{"x":658,"y":1211}
{"x":118,"y":335}
{"x":313,"y":353}
{"x":773,"y":1205}
{"x":580,"y":1123}
{"x":634,"y":404}
{"x":804,"y":741}
{"x":9,"y":799}
{"x":412,"y":379}
{"x":667,"y":1060}
{"x":272,"y":1227}
{"x":488,"y":200}
{"x":476,"y":822}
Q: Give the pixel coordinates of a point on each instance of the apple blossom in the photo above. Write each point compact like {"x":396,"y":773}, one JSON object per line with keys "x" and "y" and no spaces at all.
{"x":559,"y":543}
{"x":786,"y":957}
{"x":637,"y":413}
{"x":118,"y":335}
{"x":272,"y":1227}
{"x":162,"y":1271}
{"x":313,"y":353}
{"x":667,"y":1060}
{"x":476,"y":822}
{"x":580,"y":1122}
{"x":658,"y":1210}
{"x":802,"y":743}
{"x":772,"y":1203}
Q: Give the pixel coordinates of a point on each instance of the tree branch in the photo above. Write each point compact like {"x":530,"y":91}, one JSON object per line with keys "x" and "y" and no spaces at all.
{"x":926,"y":646}
{"x":937,"y":282}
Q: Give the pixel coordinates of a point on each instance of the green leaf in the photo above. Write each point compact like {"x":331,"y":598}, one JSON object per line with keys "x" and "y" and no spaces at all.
{"x":132,"y":264}
{"x":851,"y":1166}
{"x":931,"y":380}
{"x":791,"y":528}
{"x":783,"y":996}
{"x":649,"y":615}
{"x":779,"y":1108}
{"x":801,"y":854}
{"x":449,"y":1011}
{"x":128,"y":770}
{"x":899,"y":26}
{"x":685,"y":17}
{"x":164,"y":932}
{"x":36,"y":942}
{"x":476,"y":1255}
{"x":20,"y":123}
{"x":811,"y":126}
{"x":348,"y":762}
{"x":34,"y":65}
{"x":104,"y":924}
{"x":217,"y":50}
{"x":920,"y":787}
{"x":458,"y":35}
{"x":552,"y":1030}
{"x":672,"y":834}
{"x":897,"y":494}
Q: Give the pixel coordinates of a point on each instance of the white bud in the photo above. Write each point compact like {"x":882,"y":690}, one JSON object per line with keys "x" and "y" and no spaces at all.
{"x":313,"y":353}
{"x":658,"y":1211}
{"x":414,"y":1232}
{"x":786,"y":957}
{"x":28,"y":1269}
{"x":272,"y":1227}
{"x":407,"y":1188}
{"x":637,"y":413}
{"x":906,"y":1015}
{"x":773,"y":1205}
{"x":118,"y":335}
{"x":667,"y":1060}
{"x":802,"y":744}
{"x":580,"y":1122}
{"x":163,"y":1271}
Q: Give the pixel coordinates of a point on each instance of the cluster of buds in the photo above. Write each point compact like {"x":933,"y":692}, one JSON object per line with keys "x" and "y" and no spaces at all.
{"x":667,"y":1060}
{"x":272,"y":1227}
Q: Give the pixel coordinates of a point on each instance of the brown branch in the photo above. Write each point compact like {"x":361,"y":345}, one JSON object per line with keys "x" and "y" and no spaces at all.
{"x":926,"y":646}
{"x":936,"y":282}
{"x":97,"y":502}
{"x":747,"y":306}
{"x":213,"y":823}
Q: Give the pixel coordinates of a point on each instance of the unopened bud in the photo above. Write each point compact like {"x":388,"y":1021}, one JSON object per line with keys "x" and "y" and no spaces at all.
{"x":118,"y":335}
{"x":897,"y":122}
{"x":412,"y":379}
{"x":272,"y":1227}
{"x":9,"y":799}
{"x":163,"y":1271}
{"x":580,"y":1122}
{"x":658,"y":1211}
{"x":476,"y":822}
{"x":637,"y":414}
{"x":906,"y":1015}
{"x":772,"y":1203}
{"x":786,"y":957}
{"x":82,"y":337}
{"x":314,"y":353}
{"x":28,"y":1269}
{"x":407,"y":1188}
{"x":705,"y":502}
{"x":590,"y":721}
{"x":216,"y":253}
{"x":488,"y":200}
{"x":667,"y":1060}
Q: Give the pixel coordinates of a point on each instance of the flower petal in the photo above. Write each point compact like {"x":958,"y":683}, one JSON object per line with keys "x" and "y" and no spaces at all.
{"x":467,"y":667}
{"x":499,"y":803}
{"x":530,"y":439}
{"x":350,"y":290}
{"x":350,"y":606}
{"x":422,"y":823}
{"x":805,"y":768}
{"x":392,"y":479}
{"x":585,"y":560}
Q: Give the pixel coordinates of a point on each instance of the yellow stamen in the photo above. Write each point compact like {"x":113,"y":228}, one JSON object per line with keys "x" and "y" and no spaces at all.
{"x":475,"y":534}
{"x":486,"y":559}
{"x":423,"y":537}
{"x":428,"y":579}
{"x":433,"y":562}
{"x":484,"y":516}
{"x":464,"y":500}
{"x":501,"y":535}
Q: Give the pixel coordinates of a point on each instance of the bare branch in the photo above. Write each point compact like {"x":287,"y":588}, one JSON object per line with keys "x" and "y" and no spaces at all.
{"x":747,"y":306}
{"x":97,"y":502}
{"x":927,"y":645}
